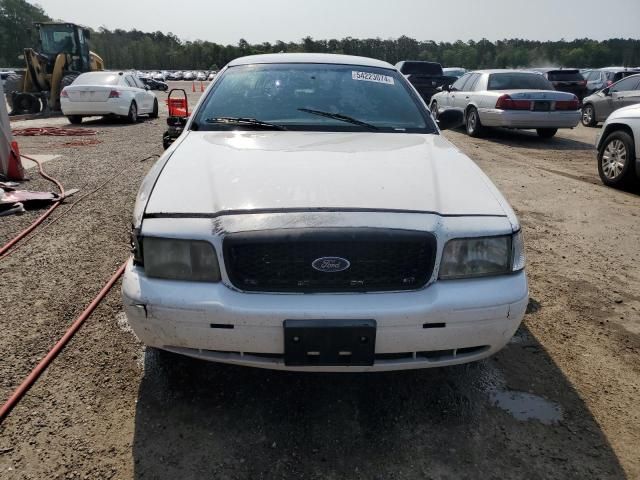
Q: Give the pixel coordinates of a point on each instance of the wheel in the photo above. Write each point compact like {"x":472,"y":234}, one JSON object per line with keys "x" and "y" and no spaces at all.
{"x":473,"y":125}
{"x":154,"y":112}
{"x":132,"y":117}
{"x":546,"y":132}
{"x":75,"y":119}
{"x":588,"y":116}
{"x":13,"y":83}
{"x":434,"y":109}
{"x":616,"y":160}
{"x":26,"y":103}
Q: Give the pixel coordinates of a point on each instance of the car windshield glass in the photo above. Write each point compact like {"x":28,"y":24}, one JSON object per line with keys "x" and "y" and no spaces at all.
{"x":57,"y":39}
{"x":319,"y":97}
{"x":97,"y":78}
{"x":568,"y":76}
{"x":517,"y":81}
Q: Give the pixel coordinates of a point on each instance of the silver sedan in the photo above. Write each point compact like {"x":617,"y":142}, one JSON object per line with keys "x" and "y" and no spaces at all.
{"x":600,"y":105}
{"x":508,"y":99}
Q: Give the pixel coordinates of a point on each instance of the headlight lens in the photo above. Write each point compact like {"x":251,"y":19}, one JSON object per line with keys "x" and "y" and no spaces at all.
{"x":171,"y":259}
{"x":481,"y":257}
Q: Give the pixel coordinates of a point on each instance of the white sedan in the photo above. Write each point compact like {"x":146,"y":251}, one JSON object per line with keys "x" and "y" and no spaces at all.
{"x":325,"y":225}
{"x":509,"y":99}
{"x":107,"y":93}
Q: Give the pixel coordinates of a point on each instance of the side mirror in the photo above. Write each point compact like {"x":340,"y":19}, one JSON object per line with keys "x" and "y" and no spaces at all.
{"x":450,"y":119}
{"x":606,"y":91}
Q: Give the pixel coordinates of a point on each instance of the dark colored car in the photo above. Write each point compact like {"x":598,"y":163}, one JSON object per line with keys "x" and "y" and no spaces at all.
{"x":155,"y":84}
{"x":605,"y":77}
{"x":566,"y":80}
{"x":426,"y":77}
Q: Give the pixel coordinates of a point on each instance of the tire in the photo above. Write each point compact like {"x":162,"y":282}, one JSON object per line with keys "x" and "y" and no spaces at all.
{"x":26,"y":103}
{"x":546,"y":132}
{"x":434,"y":109}
{"x":75,"y":119}
{"x":472,"y":123}
{"x":588,"y":117}
{"x":13,"y":83}
{"x":132,"y":116}
{"x":154,"y":112}
{"x":617,"y":159}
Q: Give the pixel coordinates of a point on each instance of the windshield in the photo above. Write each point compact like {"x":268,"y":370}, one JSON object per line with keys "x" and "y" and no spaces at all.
{"x":518,"y":81}
{"x":57,"y":38}
{"x":320,"y":97}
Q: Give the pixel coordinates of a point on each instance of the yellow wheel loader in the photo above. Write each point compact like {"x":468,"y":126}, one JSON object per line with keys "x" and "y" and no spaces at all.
{"x":63,"y":54}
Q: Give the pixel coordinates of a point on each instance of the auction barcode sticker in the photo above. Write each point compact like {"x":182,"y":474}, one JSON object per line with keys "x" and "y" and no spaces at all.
{"x":372,"y":77}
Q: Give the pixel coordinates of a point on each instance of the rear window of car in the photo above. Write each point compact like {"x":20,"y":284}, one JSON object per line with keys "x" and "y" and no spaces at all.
{"x":289,"y":94}
{"x":518,"y":81}
{"x":421,"y":68}
{"x":565,"y":76}
{"x":97,"y":78}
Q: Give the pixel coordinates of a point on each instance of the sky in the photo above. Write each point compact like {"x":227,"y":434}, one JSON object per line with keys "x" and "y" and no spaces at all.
{"x":257,"y":21}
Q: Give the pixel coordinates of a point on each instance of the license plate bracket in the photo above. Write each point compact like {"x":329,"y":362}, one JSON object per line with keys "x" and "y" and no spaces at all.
{"x":329,"y":342}
{"x":543,"y":106}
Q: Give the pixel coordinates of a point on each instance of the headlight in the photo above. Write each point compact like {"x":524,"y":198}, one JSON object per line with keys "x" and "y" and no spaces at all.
{"x":481,"y":257}
{"x":192,"y":260}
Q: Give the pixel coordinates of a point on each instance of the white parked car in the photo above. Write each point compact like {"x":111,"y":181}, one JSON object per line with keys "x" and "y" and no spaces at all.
{"x":618,"y":147}
{"x":508,"y":99}
{"x":201,"y":76}
{"x":107,"y":93}
{"x":326,"y":225}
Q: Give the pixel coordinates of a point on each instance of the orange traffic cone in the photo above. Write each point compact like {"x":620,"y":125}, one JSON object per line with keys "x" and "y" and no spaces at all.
{"x":193,"y":87}
{"x":15,"y":170}
{"x":201,"y":87}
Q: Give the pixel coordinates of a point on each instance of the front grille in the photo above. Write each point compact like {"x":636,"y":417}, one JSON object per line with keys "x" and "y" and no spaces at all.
{"x":281,"y":261}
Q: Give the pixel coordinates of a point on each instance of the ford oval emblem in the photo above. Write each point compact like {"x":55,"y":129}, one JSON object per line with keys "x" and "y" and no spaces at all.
{"x":331,"y":264}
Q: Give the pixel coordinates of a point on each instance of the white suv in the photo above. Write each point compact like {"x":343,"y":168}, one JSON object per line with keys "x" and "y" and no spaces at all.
{"x":312,"y":217}
{"x":618,"y":147}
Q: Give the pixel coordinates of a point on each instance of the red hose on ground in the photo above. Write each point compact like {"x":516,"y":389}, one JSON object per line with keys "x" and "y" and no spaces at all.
{"x":52,"y":131}
{"x":44,"y":363}
{"x":42,"y":217}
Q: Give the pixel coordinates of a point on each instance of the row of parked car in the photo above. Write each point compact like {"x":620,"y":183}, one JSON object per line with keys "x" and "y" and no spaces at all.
{"x":544,"y":100}
{"x":164,"y":75}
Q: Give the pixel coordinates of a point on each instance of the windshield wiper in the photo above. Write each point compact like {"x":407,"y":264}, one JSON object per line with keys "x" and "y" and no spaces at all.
{"x":339,"y":116}
{"x":249,"y":122}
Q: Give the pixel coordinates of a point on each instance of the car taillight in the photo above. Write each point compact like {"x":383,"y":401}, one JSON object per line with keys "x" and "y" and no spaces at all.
{"x":114,"y":94}
{"x":582,"y":82}
{"x":505,"y":102}
{"x":568,"y":104}
{"x":64,"y":93}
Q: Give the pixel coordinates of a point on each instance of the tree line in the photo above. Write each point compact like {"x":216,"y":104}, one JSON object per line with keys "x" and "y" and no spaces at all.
{"x":157,"y":50}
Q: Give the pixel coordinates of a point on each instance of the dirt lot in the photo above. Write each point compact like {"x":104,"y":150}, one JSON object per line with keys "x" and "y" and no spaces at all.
{"x":560,"y":401}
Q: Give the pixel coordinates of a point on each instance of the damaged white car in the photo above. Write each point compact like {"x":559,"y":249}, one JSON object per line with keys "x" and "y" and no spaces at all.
{"x":312,"y":217}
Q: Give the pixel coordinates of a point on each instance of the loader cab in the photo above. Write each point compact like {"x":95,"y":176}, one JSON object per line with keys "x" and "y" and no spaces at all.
{"x":68,"y":38}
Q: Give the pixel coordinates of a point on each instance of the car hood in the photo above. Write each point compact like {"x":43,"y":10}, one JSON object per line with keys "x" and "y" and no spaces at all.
{"x":233,"y":171}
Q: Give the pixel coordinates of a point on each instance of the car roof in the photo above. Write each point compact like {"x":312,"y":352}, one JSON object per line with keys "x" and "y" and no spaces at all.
{"x":310,"y":58}
{"x":505,"y":70}
{"x":618,"y":69}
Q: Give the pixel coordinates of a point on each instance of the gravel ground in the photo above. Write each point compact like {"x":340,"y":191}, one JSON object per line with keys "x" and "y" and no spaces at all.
{"x":559,"y":401}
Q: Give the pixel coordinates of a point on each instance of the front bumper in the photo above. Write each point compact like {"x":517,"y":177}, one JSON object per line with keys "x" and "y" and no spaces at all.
{"x":213,"y":322}
{"x":491,"y":117}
